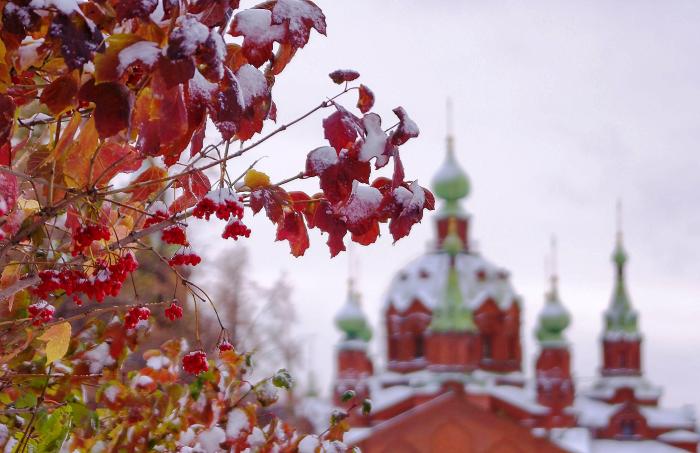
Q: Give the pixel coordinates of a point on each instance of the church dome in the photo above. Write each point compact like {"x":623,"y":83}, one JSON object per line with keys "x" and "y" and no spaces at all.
{"x":424,"y":280}
{"x":451,"y":182}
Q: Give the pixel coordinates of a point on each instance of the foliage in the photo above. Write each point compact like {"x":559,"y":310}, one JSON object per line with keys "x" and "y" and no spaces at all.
{"x":104,"y":154}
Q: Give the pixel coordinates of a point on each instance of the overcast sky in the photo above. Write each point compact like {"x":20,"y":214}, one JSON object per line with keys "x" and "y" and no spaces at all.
{"x":559,"y":110}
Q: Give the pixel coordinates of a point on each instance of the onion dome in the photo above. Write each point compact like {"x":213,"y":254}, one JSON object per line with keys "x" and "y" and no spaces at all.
{"x":553,"y":319}
{"x":451,"y":182}
{"x":620,"y":317}
{"x":451,"y":314}
{"x":351,"y":320}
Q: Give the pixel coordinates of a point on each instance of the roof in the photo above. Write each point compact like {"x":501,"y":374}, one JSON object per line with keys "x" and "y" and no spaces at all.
{"x":425,"y":279}
{"x":605,"y":387}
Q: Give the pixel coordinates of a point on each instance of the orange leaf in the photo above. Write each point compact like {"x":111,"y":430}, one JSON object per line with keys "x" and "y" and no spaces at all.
{"x":78,"y":160}
{"x":153,"y":174}
{"x":66,"y":139}
{"x":107,"y":63}
{"x":61,"y":93}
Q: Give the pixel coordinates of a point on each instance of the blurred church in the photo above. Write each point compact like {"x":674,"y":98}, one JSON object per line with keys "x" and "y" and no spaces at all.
{"x":454,"y":378}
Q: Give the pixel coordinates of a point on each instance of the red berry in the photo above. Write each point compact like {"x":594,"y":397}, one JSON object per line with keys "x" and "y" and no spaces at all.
{"x":174,"y":235}
{"x":225,"y":346}
{"x":86,"y":234}
{"x":158,"y":213}
{"x":235,"y":229}
{"x":41,"y":312}
{"x":195,"y":362}
{"x":135,"y":314}
{"x":224,"y":202}
{"x":174,"y":311}
{"x":183,"y":257}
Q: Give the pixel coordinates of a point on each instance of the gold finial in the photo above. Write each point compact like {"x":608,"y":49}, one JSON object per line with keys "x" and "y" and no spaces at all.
{"x":450,"y":137}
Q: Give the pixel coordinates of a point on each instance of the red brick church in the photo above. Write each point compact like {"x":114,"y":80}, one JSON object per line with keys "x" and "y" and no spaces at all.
{"x":454,"y":377}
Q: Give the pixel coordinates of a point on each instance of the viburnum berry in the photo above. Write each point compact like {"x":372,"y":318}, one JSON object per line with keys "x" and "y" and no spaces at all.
{"x":225,"y":346}
{"x":224,"y":202}
{"x":183,"y":257}
{"x":41,"y":312}
{"x":174,"y":235}
{"x":235,"y":229}
{"x":134,"y":315}
{"x":86,"y":234}
{"x":158,"y":212}
{"x":195,"y":362}
{"x":174,"y":311}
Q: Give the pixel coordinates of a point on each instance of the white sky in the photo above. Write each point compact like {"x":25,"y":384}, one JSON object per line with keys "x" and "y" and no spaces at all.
{"x":559,"y":110}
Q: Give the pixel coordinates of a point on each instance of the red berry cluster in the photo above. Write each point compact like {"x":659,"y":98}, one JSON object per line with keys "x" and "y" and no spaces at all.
{"x":235,"y":229}
{"x":158,"y":212}
{"x":41,"y":312}
{"x":224,"y":202}
{"x":195,"y":362}
{"x":134,"y":315}
{"x":174,"y":235}
{"x":86,"y":234}
{"x":174,"y":311}
{"x":183,"y":257}
{"x":106,"y":280}
{"x":225,"y":346}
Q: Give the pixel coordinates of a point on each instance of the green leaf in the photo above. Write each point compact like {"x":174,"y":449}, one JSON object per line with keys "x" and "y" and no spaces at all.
{"x":57,"y":339}
{"x":366,"y":406}
{"x":282,"y":379}
{"x":347,"y":395}
{"x":26,"y":400}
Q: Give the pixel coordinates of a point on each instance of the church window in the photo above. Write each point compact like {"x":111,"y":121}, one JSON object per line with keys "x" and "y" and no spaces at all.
{"x":419,"y":346}
{"x":628,"y":427}
{"x":487,"y":347}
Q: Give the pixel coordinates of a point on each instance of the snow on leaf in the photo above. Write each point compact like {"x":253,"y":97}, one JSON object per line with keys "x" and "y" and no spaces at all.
{"x":343,"y":75}
{"x":187,"y":35}
{"x":375,"y":140}
{"x":213,"y":13}
{"x":19,"y":19}
{"x":259,"y":34}
{"x":320,"y":159}
{"x":360,"y":210}
{"x":406,"y":129}
{"x":299,"y":16}
{"x":78,"y":37}
{"x":408,"y":208}
{"x":144,"y":52}
{"x":57,"y":338}
{"x":365,"y":100}
{"x":225,"y":106}
{"x":210,"y":58}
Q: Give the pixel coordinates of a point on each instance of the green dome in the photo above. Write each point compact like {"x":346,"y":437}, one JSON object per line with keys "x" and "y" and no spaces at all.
{"x":553,"y":319}
{"x":451,"y":182}
{"x":352,"y":321}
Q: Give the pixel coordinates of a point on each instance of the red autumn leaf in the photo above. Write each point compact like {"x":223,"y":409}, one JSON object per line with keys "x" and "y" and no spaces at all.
{"x":225,"y":107}
{"x":194,"y":187}
{"x":113,"y":103}
{"x":343,"y":75}
{"x":213,"y":13}
{"x":292,"y":229}
{"x":60,"y":93}
{"x":360,"y":211}
{"x":175,"y":72}
{"x":151,"y":177}
{"x":210,"y":58}
{"x":125,"y":53}
{"x":399,"y":174}
{"x":127,"y":9}
{"x":78,"y":37}
{"x":298,"y":18}
{"x":365,"y":101}
{"x":408,"y":206}
{"x":342,"y":128}
{"x":9,"y":190}
{"x":282,"y":58}
{"x":113,"y":158}
{"x":7,"y":117}
{"x":336,"y":174}
{"x":301,"y":202}
{"x":160,"y":116}
{"x":326,"y":221}
{"x":259,"y":34}
{"x":273,"y":199}
{"x":368,"y":236}
{"x":406,"y":129}
{"x":255,"y":93}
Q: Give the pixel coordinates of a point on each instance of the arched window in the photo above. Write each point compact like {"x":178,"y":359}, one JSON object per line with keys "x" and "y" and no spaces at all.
{"x":628,"y":427}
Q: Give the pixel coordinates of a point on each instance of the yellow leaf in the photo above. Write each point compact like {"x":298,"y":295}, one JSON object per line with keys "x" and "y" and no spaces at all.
{"x":57,"y":338}
{"x":10,"y":275}
{"x":77,"y":161}
{"x":28,"y":206}
{"x":255,"y":179}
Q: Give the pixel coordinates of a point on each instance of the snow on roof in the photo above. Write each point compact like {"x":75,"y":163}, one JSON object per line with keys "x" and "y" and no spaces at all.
{"x":680,"y":435}
{"x":389,"y":396}
{"x":523,"y":398}
{"x":575,"y":440}
{"x":424,"y":279}
{"x":658,"y":417}
{"x":634,"y":446}
{"x":592,"y":413}
{"x":605,"y":387}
